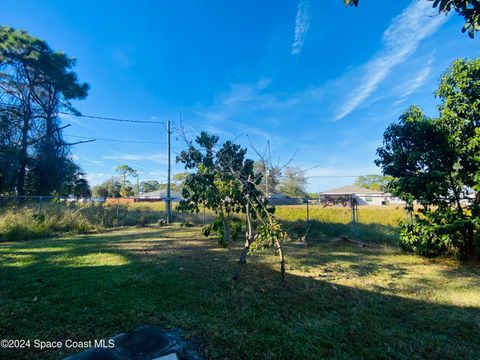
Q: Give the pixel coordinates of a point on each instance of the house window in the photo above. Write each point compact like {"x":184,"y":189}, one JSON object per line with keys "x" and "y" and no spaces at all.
{"x":368,"y":199}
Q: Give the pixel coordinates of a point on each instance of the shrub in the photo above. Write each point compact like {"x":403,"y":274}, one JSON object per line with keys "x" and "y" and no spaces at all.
{"x":29,"y":224}
{"x":217,"y":227}
{"x":422,"y":239}
{"x":438,"y":232}
{"x":22,"y":225}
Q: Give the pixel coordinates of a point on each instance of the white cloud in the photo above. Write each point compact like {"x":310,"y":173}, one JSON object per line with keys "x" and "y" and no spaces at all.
{"x":400,"y":40}
{"x":96,"y":178}
{"x":156,"y":157}
{"x":302,"y":22}
{"x":226,"y":116}
{"x":415,"y":83}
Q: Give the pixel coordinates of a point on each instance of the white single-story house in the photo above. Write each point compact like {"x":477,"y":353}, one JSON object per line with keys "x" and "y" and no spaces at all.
{"x":362,"y":195}
{"x":159,"y":195}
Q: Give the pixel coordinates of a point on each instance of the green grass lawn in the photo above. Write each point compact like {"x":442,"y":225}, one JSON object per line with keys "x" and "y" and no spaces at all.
{"x":338,"y":302}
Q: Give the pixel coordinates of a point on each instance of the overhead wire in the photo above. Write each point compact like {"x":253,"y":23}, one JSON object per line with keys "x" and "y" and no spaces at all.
{"x":5,"y":105}
{"x":153,"y":142}
{"x":115,"y":140}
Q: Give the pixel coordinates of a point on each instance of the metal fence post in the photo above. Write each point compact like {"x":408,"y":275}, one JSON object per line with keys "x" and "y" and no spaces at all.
{"x":308,"y":223}
{"x":354,"y":207}
{"x":118,"y":204}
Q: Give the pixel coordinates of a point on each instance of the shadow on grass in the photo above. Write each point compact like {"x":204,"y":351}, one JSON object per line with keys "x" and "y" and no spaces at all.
{"x":169,"y":280}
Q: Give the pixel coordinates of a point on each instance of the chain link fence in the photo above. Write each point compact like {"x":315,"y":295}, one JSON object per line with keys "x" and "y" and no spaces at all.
{"x":367,"y":219}
{"x":370,"y":219}
{"x":47,"y":214}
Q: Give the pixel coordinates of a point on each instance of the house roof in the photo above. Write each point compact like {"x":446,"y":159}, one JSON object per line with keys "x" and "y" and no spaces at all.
{"x":277,"y":194}
{"x":351,"y":189}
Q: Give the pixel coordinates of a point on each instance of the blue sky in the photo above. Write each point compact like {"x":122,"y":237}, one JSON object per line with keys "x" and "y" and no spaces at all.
{"x":307,"y":76}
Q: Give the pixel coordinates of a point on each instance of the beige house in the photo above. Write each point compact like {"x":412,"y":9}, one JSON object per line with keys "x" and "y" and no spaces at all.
{"x":159,"y":195}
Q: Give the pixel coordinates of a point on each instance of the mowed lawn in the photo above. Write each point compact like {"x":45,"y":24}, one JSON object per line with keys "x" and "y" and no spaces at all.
{"x":338,"y":301}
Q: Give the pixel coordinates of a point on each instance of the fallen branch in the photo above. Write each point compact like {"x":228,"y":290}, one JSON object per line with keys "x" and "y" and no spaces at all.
{"x":343,"y":240}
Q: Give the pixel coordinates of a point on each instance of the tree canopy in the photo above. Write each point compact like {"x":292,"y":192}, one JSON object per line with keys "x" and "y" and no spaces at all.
{"x":36,"y":83}
{"x":149,"y":186}
{"x":435,"y":162}
{"x":225,"y":182}
{"x":373,"y":182}
{"x":109,"y":188}
{"x":468,"y":9}
{"x":293,"y":183}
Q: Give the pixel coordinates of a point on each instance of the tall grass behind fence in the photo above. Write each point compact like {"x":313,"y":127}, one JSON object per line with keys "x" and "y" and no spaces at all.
{"x":35,"y":217}
{"x":315,"y":220}
{"x":323,"y":222}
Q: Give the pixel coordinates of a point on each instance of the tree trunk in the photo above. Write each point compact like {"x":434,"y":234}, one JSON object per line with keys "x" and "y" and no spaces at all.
{"x":282,"y":258}
{"x":22,"y":169}
{"x":248,"y":242}
{"x":468,"y":247}
{"x":49,"y":165}
{"x":226,"y":229}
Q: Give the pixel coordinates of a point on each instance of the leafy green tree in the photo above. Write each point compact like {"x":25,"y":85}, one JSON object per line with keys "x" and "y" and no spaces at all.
{"x":435,"y":162}
{"x":74,"y":182}
{"x":100,"y":191}
{"x":124,"y":171}
{"x":225,"y":182}
{"x":9,"y":153}
{"x":212,"y":185}
{"x":149,"y":186}
{"x":313,"y":195}
{"x":82,"y":188}
{"x":373,"y":182}
{"x":416,"y":153}
{"x":468,"y":9}
{"x":126,"y":191}
{"x":459,"y":93}
{"x":36,"y":83}
{"x":293,"y":183}
{"x":109,"y":188}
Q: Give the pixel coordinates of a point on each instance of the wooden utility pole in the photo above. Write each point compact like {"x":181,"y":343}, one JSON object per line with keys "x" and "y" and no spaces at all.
{"x":169,"y":202}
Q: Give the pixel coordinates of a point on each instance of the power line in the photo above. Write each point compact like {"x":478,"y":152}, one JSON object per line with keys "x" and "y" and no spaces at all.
{"x":321,"y":176}
{"x":113,"y":119}
{"x":5,"y":105}
{"x":115,"y":140}
{"x":332,"y":177}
